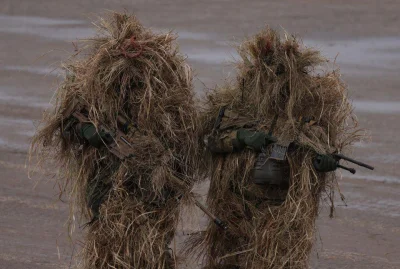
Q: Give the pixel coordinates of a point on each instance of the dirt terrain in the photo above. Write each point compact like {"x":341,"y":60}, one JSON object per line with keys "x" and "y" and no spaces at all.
{"x":363,"y":36}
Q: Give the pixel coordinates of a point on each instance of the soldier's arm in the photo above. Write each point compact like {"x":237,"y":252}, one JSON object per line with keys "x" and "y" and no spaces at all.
{"x":237,"y":140}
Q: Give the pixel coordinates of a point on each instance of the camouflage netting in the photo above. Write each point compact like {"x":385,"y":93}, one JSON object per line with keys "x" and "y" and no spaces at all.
{"x":275,"y":77}
{"x":125,"y":70}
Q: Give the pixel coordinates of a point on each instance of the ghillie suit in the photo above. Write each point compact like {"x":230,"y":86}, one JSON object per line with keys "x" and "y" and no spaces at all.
{"x":281,"y":99}
{"x":123,"y":133}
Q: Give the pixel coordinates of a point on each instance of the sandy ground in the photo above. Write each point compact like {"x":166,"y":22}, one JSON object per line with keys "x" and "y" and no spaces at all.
{"x":364,"y":35}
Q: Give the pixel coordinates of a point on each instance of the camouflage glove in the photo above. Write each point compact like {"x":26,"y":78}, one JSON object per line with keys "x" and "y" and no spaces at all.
{"x":89,"y":132}
{"x":255,"y":140}
{"x":325,"y":163}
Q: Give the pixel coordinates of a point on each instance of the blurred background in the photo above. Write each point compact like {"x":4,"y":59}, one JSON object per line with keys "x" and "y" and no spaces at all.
{"x":363,"y":36}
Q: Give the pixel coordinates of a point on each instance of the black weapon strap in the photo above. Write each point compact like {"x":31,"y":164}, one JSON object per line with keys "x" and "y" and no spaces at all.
{"x":218,"y":120}
{"x":242,"y":90}
{"x":273,"y":124}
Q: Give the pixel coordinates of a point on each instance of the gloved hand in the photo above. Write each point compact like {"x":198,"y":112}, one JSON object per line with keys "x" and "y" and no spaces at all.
{"x":325,"y":163}
{"x":255,"y":140}
{"x":89,"y":132}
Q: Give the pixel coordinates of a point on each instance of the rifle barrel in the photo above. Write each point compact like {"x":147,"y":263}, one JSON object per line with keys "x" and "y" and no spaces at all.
{"x":341,"y":156}
{"x":351,"y":170}
{"x":216,"y":220}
